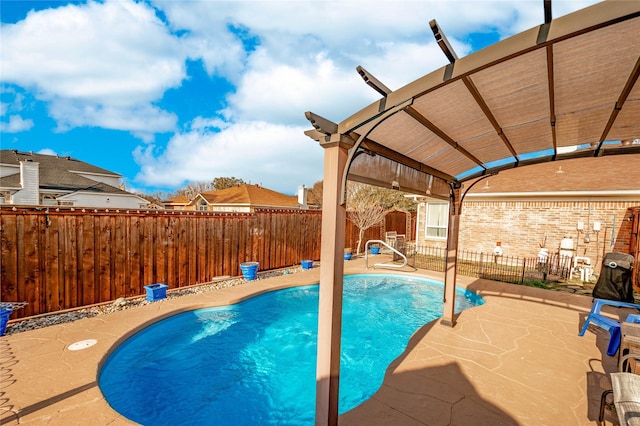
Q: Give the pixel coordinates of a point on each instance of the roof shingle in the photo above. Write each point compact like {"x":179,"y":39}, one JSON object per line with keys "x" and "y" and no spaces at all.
{"x":250,"y":195}
{"x":58,"y":173}
{"x":609,"y":173}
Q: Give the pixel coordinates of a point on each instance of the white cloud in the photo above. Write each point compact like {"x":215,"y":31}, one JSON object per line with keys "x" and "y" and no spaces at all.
{"x":115,"y":56}
{"x":16,"y":101}
{"x":390,"y":67}
{"x":276,"y":156}
{"x":16,"y":124}
{"x":143,"y":119}
{"x":281,"y":92}
{"x":208,"y":36}
{"x":47,"y":151}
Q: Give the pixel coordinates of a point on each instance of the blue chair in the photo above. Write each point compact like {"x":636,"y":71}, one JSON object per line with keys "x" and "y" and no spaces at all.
{"x":611,"y":325}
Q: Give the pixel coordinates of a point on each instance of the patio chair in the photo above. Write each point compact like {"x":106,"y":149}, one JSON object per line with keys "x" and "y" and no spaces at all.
{"x":609,"y":324}
{"x":626,"y":394}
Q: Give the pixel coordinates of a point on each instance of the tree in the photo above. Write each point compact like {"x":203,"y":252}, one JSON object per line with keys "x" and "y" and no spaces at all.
{"x":226,"y":182}
{"x":367,"y":205}
{"x":364,"y":207}
{"x":390,"y":198}
{"x":157,"y":197}
{"x":193,"y":188}
{"x":314,"y":196}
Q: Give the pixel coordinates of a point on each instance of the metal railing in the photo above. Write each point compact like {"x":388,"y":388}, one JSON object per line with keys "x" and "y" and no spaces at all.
{"x":385,"y":265}
{"x":511,"y":269}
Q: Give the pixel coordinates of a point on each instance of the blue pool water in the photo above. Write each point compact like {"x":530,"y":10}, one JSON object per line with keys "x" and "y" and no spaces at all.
{"x":254,"y":363}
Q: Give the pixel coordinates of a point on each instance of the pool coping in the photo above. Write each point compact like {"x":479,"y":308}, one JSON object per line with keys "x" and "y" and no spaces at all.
{"x":45,"y":383}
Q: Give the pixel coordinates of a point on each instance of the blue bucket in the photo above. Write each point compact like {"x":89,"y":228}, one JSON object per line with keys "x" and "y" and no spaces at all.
{"x":249,"y":270}
{"x":156,"y":291}
{"x":374,"y":250}
{"x":4,"y":318}
{"x":307,"y":264}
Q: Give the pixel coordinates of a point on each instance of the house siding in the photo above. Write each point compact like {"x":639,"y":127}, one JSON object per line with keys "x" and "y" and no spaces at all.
{"x":29,"y":181}
{"x":87,"y":199}
{"x":109,"y":180}
{"x":522,"y":225}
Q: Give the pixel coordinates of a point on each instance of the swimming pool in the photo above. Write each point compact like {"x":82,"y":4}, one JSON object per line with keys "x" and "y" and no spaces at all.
{"x":254,"y":363}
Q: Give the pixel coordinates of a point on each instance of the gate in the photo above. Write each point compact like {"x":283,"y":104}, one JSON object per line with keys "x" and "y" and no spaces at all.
{"x":396,"y":221}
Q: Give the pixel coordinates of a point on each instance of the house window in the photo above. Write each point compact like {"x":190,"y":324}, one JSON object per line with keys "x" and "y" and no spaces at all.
{"x":49,"y":200}
{"x":202,"y":206}
{"x":437,"y":218}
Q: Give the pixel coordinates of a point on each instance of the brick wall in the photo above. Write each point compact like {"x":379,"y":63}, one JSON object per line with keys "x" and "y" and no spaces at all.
{"x":521,"y":226}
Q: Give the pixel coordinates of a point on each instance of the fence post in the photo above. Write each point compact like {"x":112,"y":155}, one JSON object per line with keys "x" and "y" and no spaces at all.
{"x":524,"y":268}
{"x":481,"y":265}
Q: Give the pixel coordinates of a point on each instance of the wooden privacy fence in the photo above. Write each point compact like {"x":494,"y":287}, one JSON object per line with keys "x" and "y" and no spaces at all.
{"x":58,"y":259}
{"x":352,"y":232}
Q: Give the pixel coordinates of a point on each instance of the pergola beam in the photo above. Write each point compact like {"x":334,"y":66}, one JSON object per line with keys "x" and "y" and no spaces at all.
{"x":552,"y":97}
{"x":453,"y":231}
{"x":547,"y":11}
{"x":624,"y":94}
{"x":442,"y":41}
{"x":334,"y":218}
{"x":442,"y":135}
{"x":321,"y":124}
{"x":373,"y":82}
{"x":404,"y":160}
{"x":487,"y":112}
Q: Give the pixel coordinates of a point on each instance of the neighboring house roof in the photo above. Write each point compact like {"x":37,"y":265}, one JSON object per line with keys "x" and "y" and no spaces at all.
{"x":59,"y":173}
{"x":619,"y":173}
{"x":56,"y":172}
{"x":178,"y":199}
{"x":253,"y":195}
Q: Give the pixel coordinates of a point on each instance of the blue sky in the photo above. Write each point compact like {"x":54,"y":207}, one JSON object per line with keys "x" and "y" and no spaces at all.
{"x":168,"y":92}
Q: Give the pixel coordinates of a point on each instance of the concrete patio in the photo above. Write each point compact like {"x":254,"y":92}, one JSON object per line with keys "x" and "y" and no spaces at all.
{"x":517,"y":359}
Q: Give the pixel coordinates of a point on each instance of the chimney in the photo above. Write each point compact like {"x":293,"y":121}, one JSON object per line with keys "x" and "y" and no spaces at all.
{"x":302,"y":197}
{"x":30,"y":183}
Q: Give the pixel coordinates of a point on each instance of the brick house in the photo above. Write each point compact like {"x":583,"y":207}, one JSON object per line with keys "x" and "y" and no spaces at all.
{"x":594,"y":202}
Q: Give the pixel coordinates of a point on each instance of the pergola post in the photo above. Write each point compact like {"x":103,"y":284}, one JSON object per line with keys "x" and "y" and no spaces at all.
{"x":331,"y":283}
{"x":455,"y":204}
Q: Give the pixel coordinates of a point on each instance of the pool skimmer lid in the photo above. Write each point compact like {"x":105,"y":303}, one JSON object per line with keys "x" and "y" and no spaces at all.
{"x":83,"y":344}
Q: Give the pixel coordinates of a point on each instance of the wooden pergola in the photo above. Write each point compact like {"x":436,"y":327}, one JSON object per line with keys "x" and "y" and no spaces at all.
{"x":565,"y":89}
